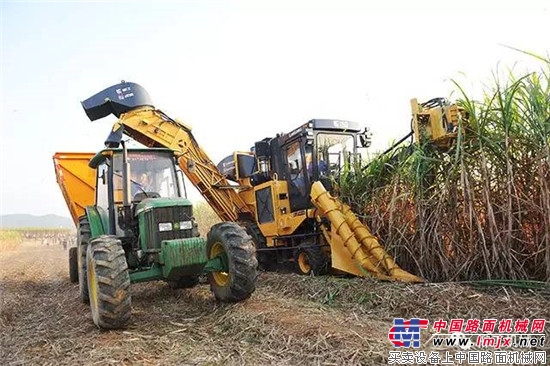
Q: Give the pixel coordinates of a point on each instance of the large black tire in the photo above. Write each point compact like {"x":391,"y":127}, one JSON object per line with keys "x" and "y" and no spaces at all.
{"x":73,"y":265}
{"x":239,"y":282}
{"x":82,"y":240}
{"x":184,"y":282}
{"x":108,"y":282}
{"x":310,"y":259}
{"x":267,"y":260}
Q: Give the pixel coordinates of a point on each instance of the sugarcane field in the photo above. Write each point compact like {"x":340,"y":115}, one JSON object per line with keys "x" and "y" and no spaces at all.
{"x":275,"y":183}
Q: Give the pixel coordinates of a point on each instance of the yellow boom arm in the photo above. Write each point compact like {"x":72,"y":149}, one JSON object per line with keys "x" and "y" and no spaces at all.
{"x":153,"y":128}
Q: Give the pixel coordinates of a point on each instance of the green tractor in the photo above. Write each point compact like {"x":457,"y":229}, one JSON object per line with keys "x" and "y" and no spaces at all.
{"x":141,"y":228}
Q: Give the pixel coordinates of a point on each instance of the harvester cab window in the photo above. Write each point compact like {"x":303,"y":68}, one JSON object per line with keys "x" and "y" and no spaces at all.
{"x":295,"y":167}
{"x":333,"y":152}
{"x":309,"y":162}
{"x":297,"y":175}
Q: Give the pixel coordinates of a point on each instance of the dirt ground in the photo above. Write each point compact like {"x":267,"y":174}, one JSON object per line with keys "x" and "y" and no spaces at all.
{"x":289,"y":320}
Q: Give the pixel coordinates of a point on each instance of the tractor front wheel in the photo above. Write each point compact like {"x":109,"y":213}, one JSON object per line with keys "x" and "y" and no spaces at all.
{"x":73,"y":265}
{"x":108,"y":282}
{"x":236,"y":247}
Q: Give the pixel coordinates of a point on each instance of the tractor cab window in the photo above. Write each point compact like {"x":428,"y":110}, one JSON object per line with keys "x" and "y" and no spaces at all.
{"x":333,"y":152}
{"x":102,"y":190}
{"x":150,"y":172}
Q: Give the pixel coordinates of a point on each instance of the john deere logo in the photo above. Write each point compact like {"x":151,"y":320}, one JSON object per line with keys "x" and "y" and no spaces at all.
{"x":176,"y":225}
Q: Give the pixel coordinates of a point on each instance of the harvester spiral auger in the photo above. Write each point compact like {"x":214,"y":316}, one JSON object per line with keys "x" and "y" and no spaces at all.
{"x":363,"y":251}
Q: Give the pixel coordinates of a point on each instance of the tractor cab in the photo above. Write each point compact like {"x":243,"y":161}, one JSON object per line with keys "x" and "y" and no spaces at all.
{"x":319,"y":150}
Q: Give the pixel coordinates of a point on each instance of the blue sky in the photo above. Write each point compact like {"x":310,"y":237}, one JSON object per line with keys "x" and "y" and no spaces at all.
{"x":238,"y":71}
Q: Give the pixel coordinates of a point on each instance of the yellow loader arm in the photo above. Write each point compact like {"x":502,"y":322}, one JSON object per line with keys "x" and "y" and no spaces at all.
{"x":153,"y":128}
{"x":139,"y":119}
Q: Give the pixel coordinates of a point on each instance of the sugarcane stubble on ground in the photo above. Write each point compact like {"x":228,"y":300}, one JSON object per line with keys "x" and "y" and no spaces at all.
{"x":289,"y":320}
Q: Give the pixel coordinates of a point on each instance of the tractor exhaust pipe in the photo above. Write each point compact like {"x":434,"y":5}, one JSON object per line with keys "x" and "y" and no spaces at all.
{"x":126,"y":199}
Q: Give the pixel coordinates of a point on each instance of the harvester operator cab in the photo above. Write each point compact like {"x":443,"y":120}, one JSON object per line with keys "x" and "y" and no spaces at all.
{"x":316,"y":151}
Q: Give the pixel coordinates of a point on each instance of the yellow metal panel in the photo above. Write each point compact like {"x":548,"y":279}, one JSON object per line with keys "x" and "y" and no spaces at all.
{"x":76,"y":180}
{"x":285,"y":222}
{"x":249,"y":198}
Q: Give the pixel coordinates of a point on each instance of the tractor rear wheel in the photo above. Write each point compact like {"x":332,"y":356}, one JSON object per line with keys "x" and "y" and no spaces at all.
{"x":310,"y":259}
{"x":108,"y":282}
{"x":184,"y":282}
{"x":82,"y":240}
{"x":239,"y":282}
{"x":73,"y":265}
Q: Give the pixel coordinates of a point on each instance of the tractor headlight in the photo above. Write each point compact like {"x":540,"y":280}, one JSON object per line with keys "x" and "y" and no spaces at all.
{"x":165,"y":226}
{"x":186,"y":225}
